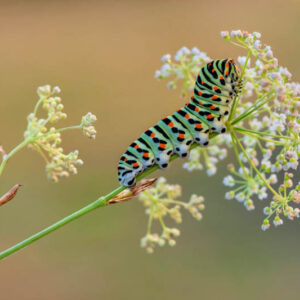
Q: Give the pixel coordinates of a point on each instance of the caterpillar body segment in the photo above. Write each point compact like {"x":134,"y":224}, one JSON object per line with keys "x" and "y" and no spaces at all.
{"x":216,"y":86}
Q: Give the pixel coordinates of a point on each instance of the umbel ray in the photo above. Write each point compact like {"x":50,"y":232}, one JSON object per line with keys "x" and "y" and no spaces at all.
{"x":216,"y":85}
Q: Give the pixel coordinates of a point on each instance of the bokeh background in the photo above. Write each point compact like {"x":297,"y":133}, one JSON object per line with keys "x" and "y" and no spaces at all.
{"x":103,"y":55}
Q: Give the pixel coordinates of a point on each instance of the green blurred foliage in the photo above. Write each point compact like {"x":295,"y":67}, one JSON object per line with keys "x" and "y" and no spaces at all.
{"x":103,"y":56}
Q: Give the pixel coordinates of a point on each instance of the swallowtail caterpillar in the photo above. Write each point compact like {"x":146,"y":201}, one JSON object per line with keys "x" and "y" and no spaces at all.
{"x":216,"y":86}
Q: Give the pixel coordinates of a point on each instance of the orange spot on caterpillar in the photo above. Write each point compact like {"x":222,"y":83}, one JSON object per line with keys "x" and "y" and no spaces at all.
{"x":221,"y":77}
{"x":135,"y":164}
{"x":181,"y":135}
{"x":199,"y":93}
{"x":197,"y":109}
{"x":202,"y":82}
{"x":136,"y":146}
{"x":187,"y":116}
{"x":215,"y":88}
{"x":198,"y":125}
{"x":152,"y":134}
{"x":193,"y":98}
{"x":226,"y":73}
{"x":212,"y":107}
{"x":213,"y":70}
{"x":146,"y":154}
{"x":162,"y":146}
{"x":214,"y":97}
{"x":171,"y":124}
{"x":125,"y":159}
{"x":209,"y":117}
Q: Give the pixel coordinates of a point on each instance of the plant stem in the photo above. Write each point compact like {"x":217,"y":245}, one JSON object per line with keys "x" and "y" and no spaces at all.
{"x":253,"y":108}
{"x":100,"y":202}
{"x":11,"y":153}
{"x":28,"y":141}
{"x":255,"y":169}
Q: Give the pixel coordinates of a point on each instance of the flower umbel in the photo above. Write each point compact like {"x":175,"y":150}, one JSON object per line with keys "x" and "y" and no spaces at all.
{"x":46,"y":140}
{"x":263,"y":126}
{"x":161,"y":202}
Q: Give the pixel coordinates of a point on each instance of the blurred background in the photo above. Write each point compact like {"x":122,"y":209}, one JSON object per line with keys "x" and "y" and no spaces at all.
{"x":103,"y":55}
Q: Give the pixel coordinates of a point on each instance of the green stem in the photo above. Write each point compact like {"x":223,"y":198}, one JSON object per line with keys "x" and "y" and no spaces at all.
{"x":100,"y":202}
{"x":237,"y":153}
{"x":11,"y":153}
{"x":28,"y":141}
{"x":262,"y":133}
{"x":253,"y":108}
{"x":55,"y":131}
{"x":254,"y":167}
{"x":37,"y":105}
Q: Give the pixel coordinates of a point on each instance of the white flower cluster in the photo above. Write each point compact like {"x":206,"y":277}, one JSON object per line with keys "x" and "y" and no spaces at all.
{"x":263,"y":126}
{"x":272,"y":138}
{"x":87,"y":127}
{"x":47,"y":141}
{"x":184,"y":66}
{"x":200,"y":158}
{"x":160,"y":202}
{"x":246,"y":185}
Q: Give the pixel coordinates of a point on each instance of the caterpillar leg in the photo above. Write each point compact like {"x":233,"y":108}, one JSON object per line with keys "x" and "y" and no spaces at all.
{"x":127,"y":178}
{"x":129,"y":167}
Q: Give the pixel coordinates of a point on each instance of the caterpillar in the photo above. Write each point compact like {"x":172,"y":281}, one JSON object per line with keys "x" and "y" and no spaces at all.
{"x":216,"y":85}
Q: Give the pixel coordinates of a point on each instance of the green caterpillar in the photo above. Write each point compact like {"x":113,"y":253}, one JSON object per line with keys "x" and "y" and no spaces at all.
{"x":216,"y":85}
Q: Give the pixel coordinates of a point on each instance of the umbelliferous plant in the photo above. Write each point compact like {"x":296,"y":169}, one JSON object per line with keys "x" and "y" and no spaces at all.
{"x":263,"y":130}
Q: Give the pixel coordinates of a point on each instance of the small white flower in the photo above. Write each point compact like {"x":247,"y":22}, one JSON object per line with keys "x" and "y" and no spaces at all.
{"x":224,"y":34}
{"x":285,"y":72}
{"x":256,"y":35}
{"x":165,"y":69}
{"x":262,"y":193}
{"x":228,"y":181}
{"x":166,"y":58}
{"x":242,"y":61}
{"x":264,"y":227}
{"x":240,"y":197}
{"x":229,"y":195}
{"x":158,"y":74}
{"x":257,"y":45}
{"x":267,"y":210}
{"x":211,"y":170}
{"x":277,"y":221}
{"x":236,"y":33}
{"x":195,"y":51}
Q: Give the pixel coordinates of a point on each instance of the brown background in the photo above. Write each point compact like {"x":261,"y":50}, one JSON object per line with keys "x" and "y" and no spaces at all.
{"x":103,"y":55}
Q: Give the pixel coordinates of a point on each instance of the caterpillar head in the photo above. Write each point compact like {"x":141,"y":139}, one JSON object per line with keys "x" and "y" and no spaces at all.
{"x":235,"y":74}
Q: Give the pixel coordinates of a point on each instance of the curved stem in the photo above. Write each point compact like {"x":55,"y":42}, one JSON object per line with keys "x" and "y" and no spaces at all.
{"x":98,"y":203}
{"x":11,"y":153}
